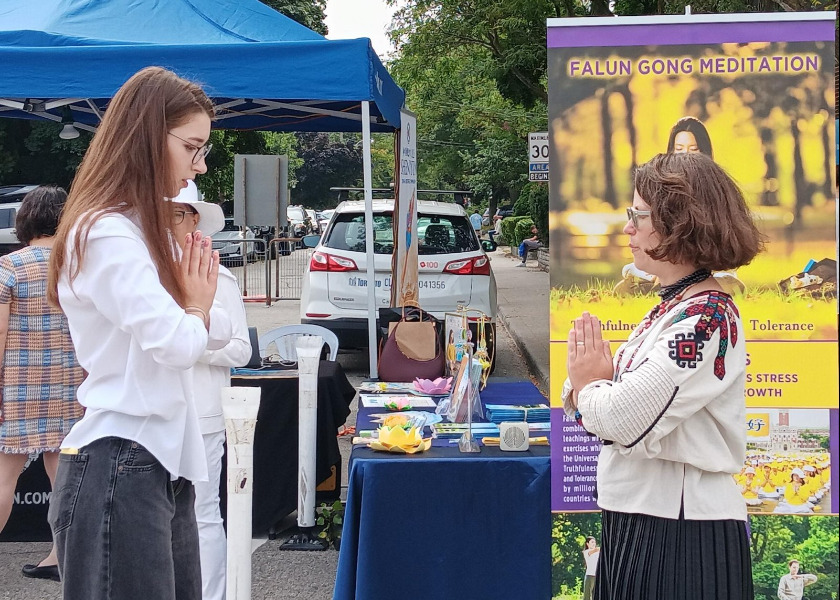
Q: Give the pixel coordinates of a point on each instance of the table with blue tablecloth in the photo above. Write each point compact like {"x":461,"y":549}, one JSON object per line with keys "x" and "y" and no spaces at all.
{"x":442,"y":524}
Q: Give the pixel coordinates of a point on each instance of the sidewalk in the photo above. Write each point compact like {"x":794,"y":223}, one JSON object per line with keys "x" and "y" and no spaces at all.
{"x":523,"y":309}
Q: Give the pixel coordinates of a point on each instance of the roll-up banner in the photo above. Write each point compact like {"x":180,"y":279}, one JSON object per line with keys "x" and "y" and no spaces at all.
{"x":760,"y":88}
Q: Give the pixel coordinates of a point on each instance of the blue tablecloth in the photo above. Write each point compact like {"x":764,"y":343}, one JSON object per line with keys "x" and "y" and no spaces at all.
{"x":442,"y":524}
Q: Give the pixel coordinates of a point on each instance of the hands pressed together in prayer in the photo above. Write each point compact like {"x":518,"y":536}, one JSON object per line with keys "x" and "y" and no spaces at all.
{"x":589,"y":358}
{"x":200,"y":270}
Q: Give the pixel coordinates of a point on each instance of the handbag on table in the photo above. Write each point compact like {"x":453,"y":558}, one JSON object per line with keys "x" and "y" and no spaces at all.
{"x":412,"y":349}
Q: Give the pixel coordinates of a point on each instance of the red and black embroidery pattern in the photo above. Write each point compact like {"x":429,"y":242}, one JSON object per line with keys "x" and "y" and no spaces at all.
{"x":717,"y":312}
{"x":685,"y":350}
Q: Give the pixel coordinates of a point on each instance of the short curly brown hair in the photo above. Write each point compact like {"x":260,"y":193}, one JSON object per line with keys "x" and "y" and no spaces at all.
{"x":39,"y":213}
{"x":698,"y":211}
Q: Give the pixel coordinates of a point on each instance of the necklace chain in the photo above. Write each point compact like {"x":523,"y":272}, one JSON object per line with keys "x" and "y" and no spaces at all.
{"x":668,"y":292}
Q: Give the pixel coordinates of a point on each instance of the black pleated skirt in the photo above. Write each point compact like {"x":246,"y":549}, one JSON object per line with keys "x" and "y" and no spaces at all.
{"x":651,"y":558}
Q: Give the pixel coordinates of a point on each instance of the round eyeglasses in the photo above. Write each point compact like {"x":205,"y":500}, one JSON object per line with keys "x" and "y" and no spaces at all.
{"x":200,"y":151}
{"x":178,"y":216}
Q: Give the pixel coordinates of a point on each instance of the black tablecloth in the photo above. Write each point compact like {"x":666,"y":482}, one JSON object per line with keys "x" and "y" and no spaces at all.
{"x":276,"y":439}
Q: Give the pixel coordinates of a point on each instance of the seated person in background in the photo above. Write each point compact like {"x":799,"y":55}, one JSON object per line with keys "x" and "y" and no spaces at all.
{"x":532,"y":243}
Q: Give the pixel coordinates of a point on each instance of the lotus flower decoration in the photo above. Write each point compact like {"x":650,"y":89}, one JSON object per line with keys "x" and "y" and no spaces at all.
{"x":400,"y":440}
{"x":438,"y":387}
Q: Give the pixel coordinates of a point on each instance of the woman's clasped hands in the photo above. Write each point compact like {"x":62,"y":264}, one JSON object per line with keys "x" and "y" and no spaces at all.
{"x":589,"y":358}
{"x":200,"y":272}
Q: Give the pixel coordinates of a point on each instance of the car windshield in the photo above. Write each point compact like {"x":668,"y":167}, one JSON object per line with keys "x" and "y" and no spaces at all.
{"x":230,"y":225}
{"x":437,"y":234}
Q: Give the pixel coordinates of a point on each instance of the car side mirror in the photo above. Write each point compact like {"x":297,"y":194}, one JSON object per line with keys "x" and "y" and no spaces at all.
{"x":489,"y":246}
{"x":310,"y":241}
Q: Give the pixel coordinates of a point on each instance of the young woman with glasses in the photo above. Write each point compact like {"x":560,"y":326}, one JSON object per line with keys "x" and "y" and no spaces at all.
{"x":670,"y":406}
{"x":122,"y":511}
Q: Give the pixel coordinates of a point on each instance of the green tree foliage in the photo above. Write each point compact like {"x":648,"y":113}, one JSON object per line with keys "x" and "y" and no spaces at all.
{"x":32,"y":152}
{"x":309,"y":13}
{"x":327,"y":161}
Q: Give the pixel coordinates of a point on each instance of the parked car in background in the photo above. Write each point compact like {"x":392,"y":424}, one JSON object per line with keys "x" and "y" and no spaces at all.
{"x":229,"y":240}
{"x":324,"y":217}
{"x":453,"y":269}
{"x":299,"y":225}
{"x":314,"y":226}
{"x":15,"y":193}
{"x":8,"y":238}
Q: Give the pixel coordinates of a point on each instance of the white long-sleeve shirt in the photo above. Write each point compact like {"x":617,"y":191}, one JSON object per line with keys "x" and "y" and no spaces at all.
{"x":674,"y":413}
{"x":212,"y":371}
{"x":137,"y":346}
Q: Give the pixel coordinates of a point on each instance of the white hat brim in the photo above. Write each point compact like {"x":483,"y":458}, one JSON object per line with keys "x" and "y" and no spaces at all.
{"x":211,"y":218}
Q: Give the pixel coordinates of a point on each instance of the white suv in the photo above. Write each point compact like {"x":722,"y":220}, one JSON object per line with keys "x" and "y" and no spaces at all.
{"x":453,"y":269}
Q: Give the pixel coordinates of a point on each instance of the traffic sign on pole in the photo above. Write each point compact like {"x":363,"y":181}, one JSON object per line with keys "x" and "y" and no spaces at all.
{"x":538,"y":156}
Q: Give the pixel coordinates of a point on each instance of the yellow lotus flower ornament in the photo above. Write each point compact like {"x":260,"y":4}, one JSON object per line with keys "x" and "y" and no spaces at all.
{"x":398,"y":439}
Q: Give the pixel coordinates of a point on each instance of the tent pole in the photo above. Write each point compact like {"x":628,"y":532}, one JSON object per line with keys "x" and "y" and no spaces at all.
{"x":371,"y":271}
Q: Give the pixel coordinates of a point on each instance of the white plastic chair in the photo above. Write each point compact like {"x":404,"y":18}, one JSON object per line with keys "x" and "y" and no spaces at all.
{"x":284,"y":339}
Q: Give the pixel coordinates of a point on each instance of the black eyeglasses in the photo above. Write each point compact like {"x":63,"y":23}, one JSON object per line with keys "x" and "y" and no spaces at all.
{"x":178,"y":216}
{"x":634,"y":215}
{"x":200,"y":151}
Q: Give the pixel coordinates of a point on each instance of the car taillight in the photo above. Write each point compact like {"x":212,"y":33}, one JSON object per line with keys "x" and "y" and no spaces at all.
{"x":477,"y":265}
{"x":321,"y":261}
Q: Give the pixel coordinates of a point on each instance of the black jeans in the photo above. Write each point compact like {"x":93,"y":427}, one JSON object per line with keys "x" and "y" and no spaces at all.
{"x":122,"y":528}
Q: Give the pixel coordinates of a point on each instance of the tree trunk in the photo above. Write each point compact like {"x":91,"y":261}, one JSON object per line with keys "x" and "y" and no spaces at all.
{"x":606,"y":125}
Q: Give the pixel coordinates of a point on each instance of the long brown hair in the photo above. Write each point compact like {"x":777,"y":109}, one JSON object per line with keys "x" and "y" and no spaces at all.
{"x":126,"y":170}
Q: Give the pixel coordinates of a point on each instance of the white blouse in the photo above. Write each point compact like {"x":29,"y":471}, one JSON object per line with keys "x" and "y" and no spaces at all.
{"x":674,"y":413}
{"x":212,"y":372}
{"x":137,"y":346}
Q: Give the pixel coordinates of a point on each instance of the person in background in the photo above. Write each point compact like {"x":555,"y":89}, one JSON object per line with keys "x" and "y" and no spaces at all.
{"x":591,"y":553}
{"x":475,"y":221}
{"x":39,"y":372}
{"x":140,"y":317}
{"x":689,"y":135}
{"x":670,"y":406}
{"x":532,"y":243}
{"x":792,"y":584}
{"x":210,"y":374}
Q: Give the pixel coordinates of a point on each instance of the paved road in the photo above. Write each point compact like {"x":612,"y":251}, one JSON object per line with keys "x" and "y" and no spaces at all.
{"x":277,"y":575}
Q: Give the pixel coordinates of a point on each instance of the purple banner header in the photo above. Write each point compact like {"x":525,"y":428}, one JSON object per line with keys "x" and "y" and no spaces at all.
{"x":680,"y":34}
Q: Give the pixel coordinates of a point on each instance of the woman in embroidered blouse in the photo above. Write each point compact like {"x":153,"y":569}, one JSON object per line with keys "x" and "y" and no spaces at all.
{"x":122,"y":512}
{"x":670,"y":406}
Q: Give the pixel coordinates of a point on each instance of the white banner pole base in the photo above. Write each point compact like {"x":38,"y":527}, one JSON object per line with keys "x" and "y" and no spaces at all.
{"x":240,"y":406}
{"x":309,"y":356}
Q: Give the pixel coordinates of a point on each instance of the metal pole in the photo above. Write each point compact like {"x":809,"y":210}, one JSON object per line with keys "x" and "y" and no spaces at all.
{"x":371,"y":269}
{"x":240,"y":406}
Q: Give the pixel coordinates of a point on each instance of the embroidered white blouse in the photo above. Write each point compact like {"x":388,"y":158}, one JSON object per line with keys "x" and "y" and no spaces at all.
{"x":137,"y":346}
{"x":673,"y":418}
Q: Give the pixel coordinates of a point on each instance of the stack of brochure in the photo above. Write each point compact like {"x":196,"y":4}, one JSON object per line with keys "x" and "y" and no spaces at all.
{"x":454,"y":431}
{"x":532,"y":413}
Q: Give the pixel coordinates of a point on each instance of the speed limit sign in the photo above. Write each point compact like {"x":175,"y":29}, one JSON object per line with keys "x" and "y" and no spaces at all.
{"x":538,"y":156}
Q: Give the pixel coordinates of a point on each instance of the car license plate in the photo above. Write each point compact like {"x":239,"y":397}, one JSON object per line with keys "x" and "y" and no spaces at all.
{"x":425,"y":284}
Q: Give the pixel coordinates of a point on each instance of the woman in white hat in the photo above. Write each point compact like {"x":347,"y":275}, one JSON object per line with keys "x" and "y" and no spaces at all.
{"x":210,"y":374}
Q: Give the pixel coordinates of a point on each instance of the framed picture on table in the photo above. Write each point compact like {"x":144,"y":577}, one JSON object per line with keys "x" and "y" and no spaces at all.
{"x":457,"y":336}
{"x":461,"y":395}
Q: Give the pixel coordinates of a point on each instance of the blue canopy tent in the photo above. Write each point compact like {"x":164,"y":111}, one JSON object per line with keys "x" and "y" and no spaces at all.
{"x":262,"y":69}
